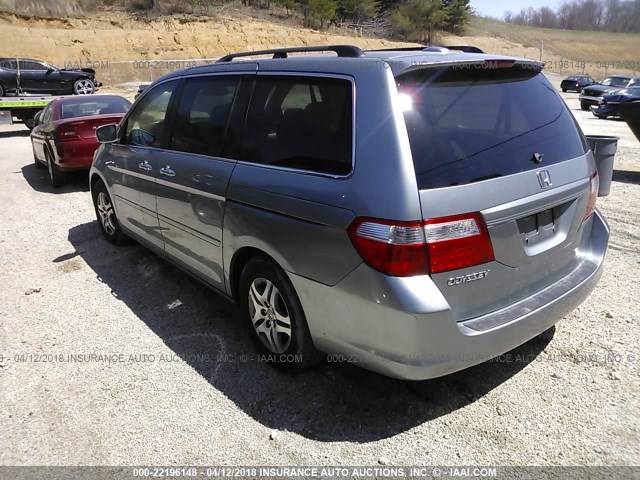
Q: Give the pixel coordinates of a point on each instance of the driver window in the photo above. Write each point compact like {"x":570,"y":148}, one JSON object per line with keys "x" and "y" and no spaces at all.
{"x":145,"y":125}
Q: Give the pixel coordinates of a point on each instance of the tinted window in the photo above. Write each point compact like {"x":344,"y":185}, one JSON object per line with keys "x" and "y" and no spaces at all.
{"x":300,"y":122}
{"x":84,"y":108}
{"x":31,"y":65}
{"x":468,"y":125}
{"x":8,"y":64}
{"x":203,"y":114}
{"x":145,"y":125}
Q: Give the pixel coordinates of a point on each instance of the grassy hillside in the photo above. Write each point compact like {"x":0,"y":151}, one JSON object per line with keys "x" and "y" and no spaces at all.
{"x":599,"y":51}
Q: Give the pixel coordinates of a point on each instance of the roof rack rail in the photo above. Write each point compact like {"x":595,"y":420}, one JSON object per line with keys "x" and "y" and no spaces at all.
{"x":432,"y":48}
{"x":350,"y":51}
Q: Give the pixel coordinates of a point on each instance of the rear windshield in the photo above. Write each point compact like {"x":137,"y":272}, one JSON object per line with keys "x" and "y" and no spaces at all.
{"x":91,"y":106}
{"x":467,"y":125}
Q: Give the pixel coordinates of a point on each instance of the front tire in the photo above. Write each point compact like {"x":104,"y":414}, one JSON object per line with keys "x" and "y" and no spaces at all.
{"x":83,"y":86}
{"x":56,"y":177}
{"x":1,"y":91}
{"x":273,"y":314}
{"x":106,"y":215}
{"x":564,"y":90}
{"x":584,"y":106}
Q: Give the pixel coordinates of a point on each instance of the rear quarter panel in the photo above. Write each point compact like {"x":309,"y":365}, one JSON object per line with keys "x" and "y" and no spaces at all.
{"x":301,"y":219}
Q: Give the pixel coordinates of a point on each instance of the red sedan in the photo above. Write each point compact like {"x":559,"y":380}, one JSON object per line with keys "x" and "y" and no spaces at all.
{"x":64,"y":138}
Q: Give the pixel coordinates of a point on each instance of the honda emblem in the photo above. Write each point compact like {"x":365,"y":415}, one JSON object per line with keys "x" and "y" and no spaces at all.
{"x":544,"y":178}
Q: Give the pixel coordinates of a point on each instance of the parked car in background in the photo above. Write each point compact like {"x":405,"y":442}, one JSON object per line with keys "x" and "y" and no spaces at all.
{"x":64,"y":137}
{"x":25,"y":75}
{"x":413,"y":211}
{"x":593,"y":94}
{"x":576,"y":83}
{"x":609,"y":107}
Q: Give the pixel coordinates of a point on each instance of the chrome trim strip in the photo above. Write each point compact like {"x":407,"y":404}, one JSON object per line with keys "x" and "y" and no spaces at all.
{"x":184,"y":188}
{"x":188,"y":230}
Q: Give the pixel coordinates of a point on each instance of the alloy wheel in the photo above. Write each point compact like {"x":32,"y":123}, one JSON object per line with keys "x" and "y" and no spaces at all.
{"x":84,"y":87}
{"x":269,"y":315}
{"x":107,"y":215}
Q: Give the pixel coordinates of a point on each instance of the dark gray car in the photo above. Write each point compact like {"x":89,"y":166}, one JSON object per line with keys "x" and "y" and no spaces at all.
{"x":415,"y":212}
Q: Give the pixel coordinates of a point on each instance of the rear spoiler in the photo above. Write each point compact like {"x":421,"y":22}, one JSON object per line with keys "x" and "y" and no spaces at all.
{"x":480,"y":63}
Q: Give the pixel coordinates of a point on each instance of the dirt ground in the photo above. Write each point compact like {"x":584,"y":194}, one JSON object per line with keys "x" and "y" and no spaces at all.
{"x":123,"y":48}
{"x":110,"y":356}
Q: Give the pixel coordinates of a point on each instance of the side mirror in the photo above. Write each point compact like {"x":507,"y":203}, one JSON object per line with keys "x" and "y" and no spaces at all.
{"x":30,"y":123}
{"x":107,"y":133}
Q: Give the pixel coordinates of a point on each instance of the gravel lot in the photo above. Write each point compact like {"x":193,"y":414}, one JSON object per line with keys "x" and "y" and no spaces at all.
{"x":171,"y":387}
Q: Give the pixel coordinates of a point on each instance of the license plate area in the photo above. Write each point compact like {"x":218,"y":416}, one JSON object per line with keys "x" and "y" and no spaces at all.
{"x":540,"y":226}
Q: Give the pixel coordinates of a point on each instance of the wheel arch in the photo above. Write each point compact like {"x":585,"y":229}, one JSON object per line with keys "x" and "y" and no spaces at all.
{"x":239,"y":261}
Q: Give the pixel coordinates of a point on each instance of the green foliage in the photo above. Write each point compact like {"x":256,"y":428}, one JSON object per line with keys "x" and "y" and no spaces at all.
{"x":357,"y":10}
{"x":458,"y":15}
{"x":419,"y":20}
{"x":322,"y":10}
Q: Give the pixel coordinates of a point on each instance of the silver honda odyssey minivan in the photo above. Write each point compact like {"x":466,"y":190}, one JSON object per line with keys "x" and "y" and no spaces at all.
{"x":412,"y":211}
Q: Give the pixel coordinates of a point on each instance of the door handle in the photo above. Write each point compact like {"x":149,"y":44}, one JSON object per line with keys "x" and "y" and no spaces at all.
{"x":109,"y":163}
{"x":146,"y":166}
{"x":167,"y":172}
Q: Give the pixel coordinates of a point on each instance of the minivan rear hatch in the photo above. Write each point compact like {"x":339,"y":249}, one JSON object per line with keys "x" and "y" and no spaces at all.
{"x":493,"y":143}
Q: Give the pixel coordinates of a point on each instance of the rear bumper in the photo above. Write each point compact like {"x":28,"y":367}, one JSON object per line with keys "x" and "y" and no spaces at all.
{"x":75,"y":155}
{"x":403,"y":327}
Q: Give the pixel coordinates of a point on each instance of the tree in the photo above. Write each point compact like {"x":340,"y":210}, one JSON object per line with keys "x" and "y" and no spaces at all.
{"x":458,"y":13}
{"x":419,"y":20}
{"x":288,"y":5}
{"x":357,"y":10}
{"x":323,"y":10}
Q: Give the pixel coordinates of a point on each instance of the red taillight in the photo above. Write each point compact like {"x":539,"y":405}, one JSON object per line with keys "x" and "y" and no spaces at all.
{"x":394,"y":248}
{"x":457,"y":242}
{"x":405,"y":249}
{"x":594,"y":185}
{"x":66,"y":131}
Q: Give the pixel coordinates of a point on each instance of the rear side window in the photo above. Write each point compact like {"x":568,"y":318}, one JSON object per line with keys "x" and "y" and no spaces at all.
{"x":467,"y":125}
{"x":302,"y":123}
{"x":203,"y":114}
{"x":145,"y":124}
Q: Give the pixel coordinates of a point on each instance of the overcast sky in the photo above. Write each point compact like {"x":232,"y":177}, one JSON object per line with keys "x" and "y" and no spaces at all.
{"x":493,"y":8}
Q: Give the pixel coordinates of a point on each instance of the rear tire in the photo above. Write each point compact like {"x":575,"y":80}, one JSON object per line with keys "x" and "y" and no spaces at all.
{"x":1,"y":91}
{"x":37,"y":162}
{"x":106,"y":215}
{"x":564,"y":90}
{"x":56,"y":177}
{"x":271,"y":310}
